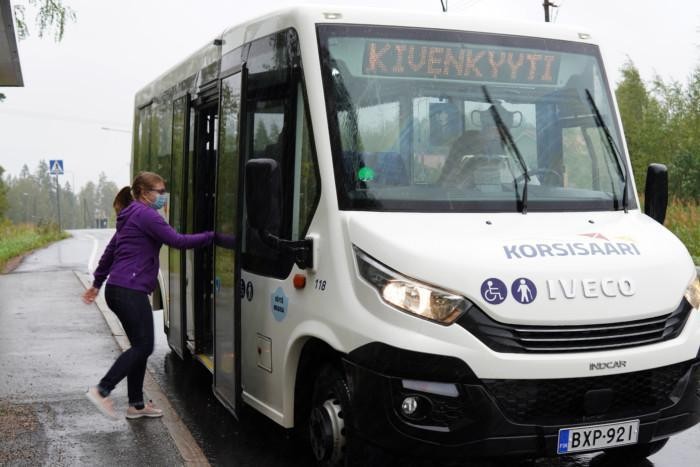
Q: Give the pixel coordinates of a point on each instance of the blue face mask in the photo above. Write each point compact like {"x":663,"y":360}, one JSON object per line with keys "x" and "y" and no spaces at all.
{"x":159,"y":202}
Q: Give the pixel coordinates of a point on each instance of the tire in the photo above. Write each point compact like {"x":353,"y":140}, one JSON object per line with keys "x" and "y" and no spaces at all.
{"x":636,"y":452}
{"x":330,"y":405}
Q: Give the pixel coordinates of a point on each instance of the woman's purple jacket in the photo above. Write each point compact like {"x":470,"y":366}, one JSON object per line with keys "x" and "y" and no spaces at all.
{"x":131,"y":258}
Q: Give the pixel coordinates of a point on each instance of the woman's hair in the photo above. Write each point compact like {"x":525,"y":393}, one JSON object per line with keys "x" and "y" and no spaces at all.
{"x":123,"y":199}
{"x":143,"y":182}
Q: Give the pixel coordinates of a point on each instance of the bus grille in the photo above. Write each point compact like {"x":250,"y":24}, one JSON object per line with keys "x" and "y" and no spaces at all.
{"x":515,"y":338}
{"x":557,"y":401}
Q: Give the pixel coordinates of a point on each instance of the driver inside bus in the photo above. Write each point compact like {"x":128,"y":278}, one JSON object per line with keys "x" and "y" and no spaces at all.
{"x":462,"y":162}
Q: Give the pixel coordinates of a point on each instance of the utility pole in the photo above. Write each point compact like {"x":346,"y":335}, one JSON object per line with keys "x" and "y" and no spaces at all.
{"x":546,"y":5}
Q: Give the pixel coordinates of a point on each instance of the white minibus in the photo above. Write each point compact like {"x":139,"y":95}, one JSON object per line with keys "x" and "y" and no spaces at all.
{"x":429,"y":238}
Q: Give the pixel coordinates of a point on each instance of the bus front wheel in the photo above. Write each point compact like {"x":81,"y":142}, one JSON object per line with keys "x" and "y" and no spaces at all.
{"x":330,"y":406}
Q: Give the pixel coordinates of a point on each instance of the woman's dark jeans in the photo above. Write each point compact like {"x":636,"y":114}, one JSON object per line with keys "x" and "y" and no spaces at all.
{"x":134,"y":311}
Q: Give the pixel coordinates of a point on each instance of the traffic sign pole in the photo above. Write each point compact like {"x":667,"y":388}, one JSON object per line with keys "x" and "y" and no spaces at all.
{"x":58,"y":202}
{"x":56,"y":168}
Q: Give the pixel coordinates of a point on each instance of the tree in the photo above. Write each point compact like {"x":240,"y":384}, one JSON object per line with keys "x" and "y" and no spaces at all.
{"x":51,"y":17}
{"x":21,"y":197}
{"x":87,"y":197}
{"x":662,"y":124}
{"x":45,"y":200}
{"x":3,"y":194}
{"x":644,"y":122}
{"x":31,"y":198}
{"x":105,"y":192}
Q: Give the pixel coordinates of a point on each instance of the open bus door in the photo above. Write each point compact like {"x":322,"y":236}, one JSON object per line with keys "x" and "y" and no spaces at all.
{"x":178,"y":196}
{"x":208,"y":290}
{"x":199,"y":216}
{"x":226,"y":274}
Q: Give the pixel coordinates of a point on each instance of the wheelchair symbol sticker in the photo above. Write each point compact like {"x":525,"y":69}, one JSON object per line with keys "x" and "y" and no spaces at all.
{"x":494,"y":291}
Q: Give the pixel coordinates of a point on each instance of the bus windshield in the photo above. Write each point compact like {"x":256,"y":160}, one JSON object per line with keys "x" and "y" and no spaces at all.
{"x":435,"y":120}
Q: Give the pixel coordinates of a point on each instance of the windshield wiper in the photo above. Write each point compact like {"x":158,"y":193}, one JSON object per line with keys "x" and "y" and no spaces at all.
{"x":507,"y":138}
{"x":621,"y":165}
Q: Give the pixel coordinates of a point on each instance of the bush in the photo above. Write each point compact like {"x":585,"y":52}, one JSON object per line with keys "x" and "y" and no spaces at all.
{"x":683,"y":219}
{"x":684,"y":175}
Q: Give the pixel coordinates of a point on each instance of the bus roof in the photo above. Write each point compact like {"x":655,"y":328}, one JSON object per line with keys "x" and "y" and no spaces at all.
{"x":307,"y":16}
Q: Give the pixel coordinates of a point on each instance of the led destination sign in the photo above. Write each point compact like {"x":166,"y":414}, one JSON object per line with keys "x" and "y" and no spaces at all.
{"x":409,"y":59}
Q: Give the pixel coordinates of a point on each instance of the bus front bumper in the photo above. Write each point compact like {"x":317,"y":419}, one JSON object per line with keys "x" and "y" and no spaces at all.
{"x":430,"y":406}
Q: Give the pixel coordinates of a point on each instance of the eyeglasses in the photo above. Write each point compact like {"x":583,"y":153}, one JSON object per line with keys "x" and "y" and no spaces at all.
{"x":162,"y":191}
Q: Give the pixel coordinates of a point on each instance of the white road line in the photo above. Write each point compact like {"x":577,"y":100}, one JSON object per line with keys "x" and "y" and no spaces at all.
{"x":91,"y":266}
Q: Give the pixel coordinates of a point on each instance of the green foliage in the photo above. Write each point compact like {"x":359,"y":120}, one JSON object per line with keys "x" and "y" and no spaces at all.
{"x":31,"y":198}
{"x":685,"y":168}
{"x":683,"y":219}
{"x":3,"y":195}
{"x":644,"y":123}
{"x":16,"y":240}
{"x":662,"y":124}
{"x":51,"y":16}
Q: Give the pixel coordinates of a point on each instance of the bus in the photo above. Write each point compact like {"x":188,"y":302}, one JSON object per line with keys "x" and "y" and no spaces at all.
{"x":428,"y":238}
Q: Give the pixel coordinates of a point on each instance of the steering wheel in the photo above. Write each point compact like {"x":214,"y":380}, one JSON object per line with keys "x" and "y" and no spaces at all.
{"x":541,"y":171}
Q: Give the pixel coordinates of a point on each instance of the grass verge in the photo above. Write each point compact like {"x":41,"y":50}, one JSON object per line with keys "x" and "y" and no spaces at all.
{"x":16,"y":240}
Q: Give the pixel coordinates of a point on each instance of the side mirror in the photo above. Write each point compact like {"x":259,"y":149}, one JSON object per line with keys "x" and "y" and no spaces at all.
{"x":262,"y":192}
{"x":656,"y":192}
{"x":263,"y":187}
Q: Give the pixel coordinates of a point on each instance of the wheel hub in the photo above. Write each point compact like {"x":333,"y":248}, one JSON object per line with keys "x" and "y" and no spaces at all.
{"x":327,"y":432}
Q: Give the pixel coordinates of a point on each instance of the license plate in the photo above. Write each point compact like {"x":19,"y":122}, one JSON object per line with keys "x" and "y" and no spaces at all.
{"x":594,"y":438}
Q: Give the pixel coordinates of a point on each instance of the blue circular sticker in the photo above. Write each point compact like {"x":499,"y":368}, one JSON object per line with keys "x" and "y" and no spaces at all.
{"x":279,"y":304}
{"x":523,"y":290}
{"x":494,"y":291}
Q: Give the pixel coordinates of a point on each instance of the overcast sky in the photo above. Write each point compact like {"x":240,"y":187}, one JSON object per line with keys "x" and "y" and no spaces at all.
{"x":75,"y":88}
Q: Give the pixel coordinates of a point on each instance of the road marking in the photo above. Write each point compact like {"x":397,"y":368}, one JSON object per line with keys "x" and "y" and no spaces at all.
{"x":188,"y":448}
{"x":93,"y":255}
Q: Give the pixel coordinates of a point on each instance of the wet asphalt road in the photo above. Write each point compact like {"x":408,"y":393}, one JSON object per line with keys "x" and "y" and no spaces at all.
{"x":254,"y":440}
{"x":52,"y":347}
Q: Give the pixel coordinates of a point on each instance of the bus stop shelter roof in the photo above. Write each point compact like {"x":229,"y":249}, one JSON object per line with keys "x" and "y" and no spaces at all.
{"x":10,"y":70}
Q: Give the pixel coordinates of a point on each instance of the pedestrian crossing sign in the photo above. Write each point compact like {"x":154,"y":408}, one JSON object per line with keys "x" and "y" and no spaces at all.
{"x":56,"y":167}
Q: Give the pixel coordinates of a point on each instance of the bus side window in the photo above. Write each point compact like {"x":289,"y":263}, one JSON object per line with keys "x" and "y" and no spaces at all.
{"x":143,"y":139}
{"x":307,"y":183}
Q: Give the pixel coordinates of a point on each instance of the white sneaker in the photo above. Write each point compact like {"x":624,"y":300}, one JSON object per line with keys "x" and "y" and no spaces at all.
{"x":103,"y":404}
{"x":149,"y":410}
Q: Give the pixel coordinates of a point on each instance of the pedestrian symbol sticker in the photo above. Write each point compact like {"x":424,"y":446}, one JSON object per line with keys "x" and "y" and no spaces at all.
{"x":494,"y":291}
{"x":523,"y":290}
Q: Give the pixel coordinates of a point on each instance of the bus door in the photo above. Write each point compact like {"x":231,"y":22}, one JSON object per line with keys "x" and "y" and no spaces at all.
{"x":202,"y":194}
{"x":177,"y":184}
{"x":275,"y":126}
{"x":226,"y":257}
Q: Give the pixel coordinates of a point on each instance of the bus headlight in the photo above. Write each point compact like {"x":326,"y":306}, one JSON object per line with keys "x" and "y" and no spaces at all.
{"x":410,"y":295}
{"x":692,"y":293}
